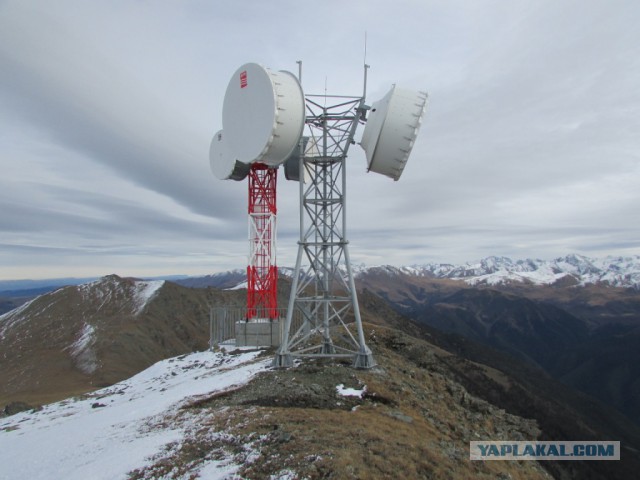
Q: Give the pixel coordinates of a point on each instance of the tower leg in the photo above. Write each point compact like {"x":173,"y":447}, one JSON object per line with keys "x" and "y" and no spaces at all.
{"x":283,"y":358}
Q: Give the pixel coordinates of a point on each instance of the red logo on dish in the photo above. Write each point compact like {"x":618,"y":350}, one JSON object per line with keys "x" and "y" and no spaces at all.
{"x":243,"y":79}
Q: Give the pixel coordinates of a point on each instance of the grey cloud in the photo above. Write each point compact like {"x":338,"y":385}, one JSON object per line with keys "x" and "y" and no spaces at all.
{"x":98,"y":216}
{"x":90,"y":104}
{"x":531,"y":126}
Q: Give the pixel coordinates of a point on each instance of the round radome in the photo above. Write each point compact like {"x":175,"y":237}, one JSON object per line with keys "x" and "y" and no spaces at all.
{"x":263,"y":114}
{"x":392,"y":127}
{"x":223,"y":165}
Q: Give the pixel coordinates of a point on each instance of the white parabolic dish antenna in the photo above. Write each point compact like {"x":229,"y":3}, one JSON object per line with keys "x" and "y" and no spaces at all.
{"x":263,"y":114}
{"x":223,"y":164}
{"x":391,"y":130}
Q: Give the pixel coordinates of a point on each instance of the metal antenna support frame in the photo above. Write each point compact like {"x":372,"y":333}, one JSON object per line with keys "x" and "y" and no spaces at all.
{"x":324,"y":291}
{"x":262,"y":272}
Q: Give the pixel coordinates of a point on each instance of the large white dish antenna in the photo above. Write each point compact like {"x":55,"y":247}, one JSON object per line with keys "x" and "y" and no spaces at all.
{"x":391,"y":130}
{"x":263,"y":114}
{"x":223,"y":164}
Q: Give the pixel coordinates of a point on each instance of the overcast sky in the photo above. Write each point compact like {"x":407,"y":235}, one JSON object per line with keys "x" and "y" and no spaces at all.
{"x":530,"y":146}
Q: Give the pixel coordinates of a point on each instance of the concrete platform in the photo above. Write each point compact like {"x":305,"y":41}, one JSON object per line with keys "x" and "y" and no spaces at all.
{"x":260,"y":333}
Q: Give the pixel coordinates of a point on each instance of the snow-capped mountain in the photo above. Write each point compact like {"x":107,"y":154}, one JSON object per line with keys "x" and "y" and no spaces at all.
{"x":91,"y":304}
{"x":79,"y":337}
{"x":569,"y":270}
{"x":572,"y":269}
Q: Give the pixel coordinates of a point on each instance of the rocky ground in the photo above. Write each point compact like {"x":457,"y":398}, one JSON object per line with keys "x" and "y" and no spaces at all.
{"x":406,"y":418}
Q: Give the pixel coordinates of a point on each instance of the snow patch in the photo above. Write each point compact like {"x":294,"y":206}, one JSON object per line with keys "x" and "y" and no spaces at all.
{"x":239,"y":286}
{"x":82,"y":352}
{"x":113,"y":431}
{"x":144,"y":293}
{"x":218,"y":469}
{"x":350,"y":392}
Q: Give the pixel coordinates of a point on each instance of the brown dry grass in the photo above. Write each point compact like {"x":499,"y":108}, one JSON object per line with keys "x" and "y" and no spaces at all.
{"x":413,"y":422}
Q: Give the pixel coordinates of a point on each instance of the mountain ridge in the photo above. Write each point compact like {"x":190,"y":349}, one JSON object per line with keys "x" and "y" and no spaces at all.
{"x":98,"y":333}
{"x":614,"y":271}
{"x":570,"y":270}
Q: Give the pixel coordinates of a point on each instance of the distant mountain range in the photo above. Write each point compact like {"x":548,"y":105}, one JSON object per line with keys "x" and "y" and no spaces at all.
{"x":222,"y":280}
{"x":578,"y":270}
{"x":570,"y":270}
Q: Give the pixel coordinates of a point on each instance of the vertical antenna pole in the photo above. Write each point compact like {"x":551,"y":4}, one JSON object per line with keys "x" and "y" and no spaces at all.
{"x":364,"y":90}
{"x":365,"y":47}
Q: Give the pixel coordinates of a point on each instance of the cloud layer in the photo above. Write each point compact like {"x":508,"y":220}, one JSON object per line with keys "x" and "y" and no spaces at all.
{"x":530,"y":146}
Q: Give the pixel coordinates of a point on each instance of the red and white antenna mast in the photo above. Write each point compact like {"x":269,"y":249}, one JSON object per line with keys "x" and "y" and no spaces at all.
{"x":263,"y":117}
{"x":262,"y":272}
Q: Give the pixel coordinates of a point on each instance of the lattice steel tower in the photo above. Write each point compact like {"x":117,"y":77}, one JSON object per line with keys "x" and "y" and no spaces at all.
{"x":323,"y":294}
